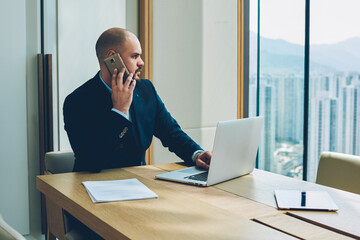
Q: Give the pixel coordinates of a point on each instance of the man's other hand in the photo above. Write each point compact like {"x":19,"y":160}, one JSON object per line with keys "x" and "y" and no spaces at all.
{"x":203,"y":160}
{"x":122,"y":92}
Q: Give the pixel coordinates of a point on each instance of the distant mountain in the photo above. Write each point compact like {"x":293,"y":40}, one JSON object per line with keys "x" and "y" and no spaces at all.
{"x":351,"y":46}
{"x":278,"y":55}
{"x":344,"y":56}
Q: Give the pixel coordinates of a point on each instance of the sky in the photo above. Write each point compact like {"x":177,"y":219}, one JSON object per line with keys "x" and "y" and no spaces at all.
{"x":331,"y":21}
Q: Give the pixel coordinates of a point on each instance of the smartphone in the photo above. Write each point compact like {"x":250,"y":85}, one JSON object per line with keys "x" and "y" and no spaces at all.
{"x":115,"y":61}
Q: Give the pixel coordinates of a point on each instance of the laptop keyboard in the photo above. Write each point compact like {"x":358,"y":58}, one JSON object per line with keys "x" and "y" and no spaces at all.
{"x":199,"y":177}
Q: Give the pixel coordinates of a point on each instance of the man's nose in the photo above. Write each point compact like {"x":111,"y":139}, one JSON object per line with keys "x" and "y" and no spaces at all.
{"x":141,"y":62}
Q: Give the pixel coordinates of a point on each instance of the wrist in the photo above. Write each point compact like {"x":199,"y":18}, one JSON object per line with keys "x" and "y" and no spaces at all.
{"x":121,"y":109}
{"x":196,"y":154}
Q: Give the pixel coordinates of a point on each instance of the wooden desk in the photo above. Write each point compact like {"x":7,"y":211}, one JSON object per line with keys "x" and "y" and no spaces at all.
{"x":183,"y":211}
{"x":174,"y":215}
{"x":252,"y":196}
{"x":260,"y":185}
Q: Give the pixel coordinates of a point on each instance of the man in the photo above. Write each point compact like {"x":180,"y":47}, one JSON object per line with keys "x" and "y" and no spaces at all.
{"x":110,"y":122}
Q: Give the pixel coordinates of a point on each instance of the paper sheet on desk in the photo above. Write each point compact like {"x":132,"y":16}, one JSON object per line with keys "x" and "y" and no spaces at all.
{"x":117,"y":190}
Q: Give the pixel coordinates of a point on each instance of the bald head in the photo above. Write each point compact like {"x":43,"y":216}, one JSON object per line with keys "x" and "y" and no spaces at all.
{"x":124,"y":42}
{"x":111,"y":39}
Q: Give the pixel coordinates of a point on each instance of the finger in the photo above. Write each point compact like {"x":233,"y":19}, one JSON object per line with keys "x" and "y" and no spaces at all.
{"x":206,"y":157}
{"x":113,"y":77}
{"x":119,"y":78}
{"x":202,"y":164}
{"x":132,"y":85}
{"x":207,"y":161}
{"x":207,"y":154}
{"x":128,"y":80}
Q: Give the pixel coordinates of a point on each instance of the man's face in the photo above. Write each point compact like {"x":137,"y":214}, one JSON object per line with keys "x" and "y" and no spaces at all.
{"x":132,"y":56}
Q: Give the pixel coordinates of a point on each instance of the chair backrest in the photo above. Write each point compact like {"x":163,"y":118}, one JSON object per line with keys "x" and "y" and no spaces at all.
{"x":7,"y":232}
{"x":59,"y":162}
{"x":339,"y":170}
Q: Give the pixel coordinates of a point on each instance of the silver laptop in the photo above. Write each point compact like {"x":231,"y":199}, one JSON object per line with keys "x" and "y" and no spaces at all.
{"x":304,"y":200}
{"x":234,"y":154}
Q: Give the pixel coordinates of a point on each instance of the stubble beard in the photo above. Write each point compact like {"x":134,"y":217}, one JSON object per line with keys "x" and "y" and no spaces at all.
{"x":137,"y":75}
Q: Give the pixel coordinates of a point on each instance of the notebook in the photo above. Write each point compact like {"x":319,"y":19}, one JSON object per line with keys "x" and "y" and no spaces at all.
{"x":304,"y":200}
{"x":234,"y":154}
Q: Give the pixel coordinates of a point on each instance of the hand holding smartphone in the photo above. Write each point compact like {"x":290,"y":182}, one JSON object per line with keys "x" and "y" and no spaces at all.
{"x":115,"y":62}
{"x":121,"y":95}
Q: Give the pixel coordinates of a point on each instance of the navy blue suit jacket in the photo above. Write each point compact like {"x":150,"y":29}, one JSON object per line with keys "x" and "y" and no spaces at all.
{"x":101,"y":138}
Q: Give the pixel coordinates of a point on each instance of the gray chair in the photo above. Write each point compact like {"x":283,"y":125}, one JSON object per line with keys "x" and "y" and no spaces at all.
{"x":58,"y":162}
{"x":7,"y":232}
{"x":339,"y":170}
{"x":62,"y":225}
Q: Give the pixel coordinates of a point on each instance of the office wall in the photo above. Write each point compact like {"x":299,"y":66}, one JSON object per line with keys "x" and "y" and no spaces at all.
{"x":195,"y":71}
{"x":33,"y":47}
{"x":14,"y":200}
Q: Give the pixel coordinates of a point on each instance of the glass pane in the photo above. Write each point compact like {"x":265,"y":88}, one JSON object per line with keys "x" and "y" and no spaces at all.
{"x":334,"y":117}
{"x":281,"y":101}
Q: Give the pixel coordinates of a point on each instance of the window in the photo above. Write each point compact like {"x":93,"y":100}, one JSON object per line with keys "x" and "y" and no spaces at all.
{"x":334,"y":84}
{"x":279,"y":71}
{"x":277,"y":79}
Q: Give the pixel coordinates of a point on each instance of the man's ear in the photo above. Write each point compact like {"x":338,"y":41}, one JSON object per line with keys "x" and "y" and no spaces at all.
{"x":110,"y":52}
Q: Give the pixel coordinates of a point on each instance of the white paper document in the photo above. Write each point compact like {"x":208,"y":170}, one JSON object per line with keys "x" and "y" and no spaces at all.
{"x":118,"y":190}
